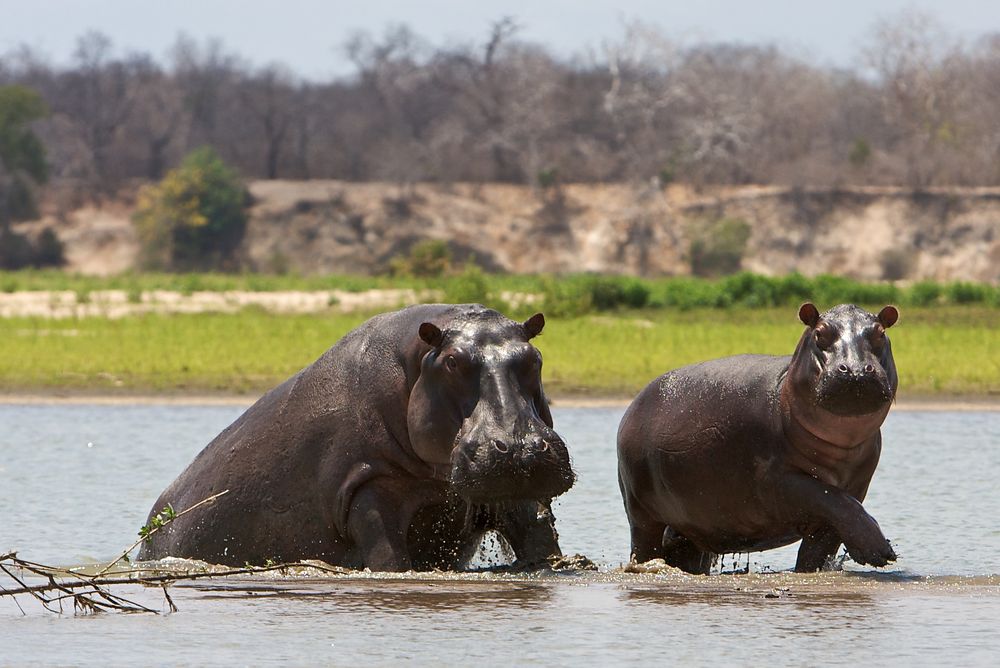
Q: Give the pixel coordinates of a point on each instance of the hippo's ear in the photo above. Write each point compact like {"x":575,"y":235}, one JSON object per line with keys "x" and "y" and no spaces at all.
{"x":533,"y":325}
{"x":431,"y":334}
{"x":809,"y":314}
{"x":888,"y":316}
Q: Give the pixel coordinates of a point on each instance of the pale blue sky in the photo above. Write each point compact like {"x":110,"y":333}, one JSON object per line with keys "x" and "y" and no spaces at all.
{"x":306,"y":34}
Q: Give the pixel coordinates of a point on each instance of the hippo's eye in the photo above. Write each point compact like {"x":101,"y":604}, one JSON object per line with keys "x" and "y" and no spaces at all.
{"x":877,"y":337}
{"x":450,"y":363}
{"x":824,"y":337}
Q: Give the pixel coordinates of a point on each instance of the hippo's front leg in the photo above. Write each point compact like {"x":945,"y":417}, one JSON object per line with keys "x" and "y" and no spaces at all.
{"x":818,"y":550}
{"x":377,"y":525}
{"x":530,"y":530}
{"x":808,"y":500}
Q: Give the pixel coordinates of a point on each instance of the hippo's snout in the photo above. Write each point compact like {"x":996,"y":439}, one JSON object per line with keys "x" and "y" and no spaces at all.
{"x":854,"y":389}
{"x":529,"y":467}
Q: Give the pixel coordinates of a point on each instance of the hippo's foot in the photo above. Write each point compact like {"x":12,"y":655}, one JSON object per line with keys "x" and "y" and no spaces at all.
{"x":681,"y":553}
{"x":530,"y":530}
{"x":866,"y":544}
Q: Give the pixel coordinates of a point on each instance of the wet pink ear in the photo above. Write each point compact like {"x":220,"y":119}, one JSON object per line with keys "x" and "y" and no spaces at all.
{"x":431,"y":334}
{"x":888,"y":316}
{"x":533,"y":325}
{"x":809,"y":314}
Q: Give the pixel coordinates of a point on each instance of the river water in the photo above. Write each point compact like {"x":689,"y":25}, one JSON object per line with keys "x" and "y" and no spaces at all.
{"x":76,"y":482}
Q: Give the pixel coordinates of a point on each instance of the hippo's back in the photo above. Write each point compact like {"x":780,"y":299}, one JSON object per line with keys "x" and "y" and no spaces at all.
{"x":343,"y":414}
{"x":710,"y":396}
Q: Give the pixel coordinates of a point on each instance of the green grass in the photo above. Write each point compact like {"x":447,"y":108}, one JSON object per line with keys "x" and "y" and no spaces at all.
{"x":949,"y":350}
{"x":561,"y":295}
{"x":940,"y":350}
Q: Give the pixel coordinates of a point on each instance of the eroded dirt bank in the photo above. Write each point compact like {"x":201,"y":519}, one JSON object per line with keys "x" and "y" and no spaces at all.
{"x":338,"y":227}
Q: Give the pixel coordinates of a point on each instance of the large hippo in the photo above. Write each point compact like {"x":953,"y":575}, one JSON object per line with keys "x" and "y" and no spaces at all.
{"x":752,"y":452}
{"x":395,"y":450}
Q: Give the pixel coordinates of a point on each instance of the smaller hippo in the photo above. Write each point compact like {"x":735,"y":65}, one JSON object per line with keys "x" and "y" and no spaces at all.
{"x":752,"y":452}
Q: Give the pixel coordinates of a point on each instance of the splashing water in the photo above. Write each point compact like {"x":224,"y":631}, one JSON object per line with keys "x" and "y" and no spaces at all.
{"x":494,"y":551}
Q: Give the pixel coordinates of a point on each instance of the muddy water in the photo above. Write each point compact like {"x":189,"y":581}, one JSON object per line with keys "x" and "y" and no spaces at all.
{"x":76,"y":482}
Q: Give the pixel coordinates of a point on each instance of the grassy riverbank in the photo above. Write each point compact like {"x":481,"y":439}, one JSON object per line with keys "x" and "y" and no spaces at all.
{"x":940,"y":351}
{"x":560,"y":295}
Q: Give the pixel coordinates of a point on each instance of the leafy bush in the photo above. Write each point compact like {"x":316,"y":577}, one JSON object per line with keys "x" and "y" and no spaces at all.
{"x":48,"y":249}
{"x":689,"y":293}
{"x":194,"y":218}
{"x":472,"y":286}
{"x":469,"y":287}
{"x":22,"y":156}
{"x":717,"y":249}
{"x":924,"y":293}
{"x":608,"y":292}
{"x":548,"y":177}
{"x":430,"y":258}
{"x":18,"y":252}
{"x":576,"y":295}
{"x":15,"y":250}
{"x":566,"y":297}
{"x":961,"y":292}
{"x":896,"y":264}
{"x":751,"y":290}
{"x":837,"y":289}
{"x":861,"y":152}
{"x":793,"y":289}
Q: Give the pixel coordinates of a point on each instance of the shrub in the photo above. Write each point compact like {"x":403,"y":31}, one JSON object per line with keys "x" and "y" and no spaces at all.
{"x":430,"y":258}
{"x":961,"y":292}
{"x":577,"y":295}
{"x":566,"y":297}
{"x":896,"y":264}
{"x":750,"y":290}
{"x":607,"y":292}
{"x":688,"y":293}
{"x":48,"y":250}
{"x":830,"y":290}
{"x":717,"y":249}
{"x":195,"y":218}
{"x":635,"y":293}
{"x":15,"y":250}
{"x":924,"y":293}
{"x":861,"y":152}
{"x":793,"y":289}
{"x":548,"y":177}
{"x":22,"y":155}
{"x":468,"y":287}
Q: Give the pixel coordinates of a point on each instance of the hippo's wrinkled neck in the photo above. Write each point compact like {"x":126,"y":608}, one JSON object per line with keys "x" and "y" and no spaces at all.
{"x":822,"y":444}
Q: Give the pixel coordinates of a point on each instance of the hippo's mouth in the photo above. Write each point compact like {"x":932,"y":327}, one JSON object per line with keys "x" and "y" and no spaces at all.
{"x":853,"y":396}
{"x":486,"y":476}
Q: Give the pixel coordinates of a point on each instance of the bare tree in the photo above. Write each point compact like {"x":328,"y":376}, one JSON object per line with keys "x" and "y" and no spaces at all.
{"x":159,"y":122}
{"x":268,"y":95}
{"x":908,"y":54}
{"x":98,"y":95}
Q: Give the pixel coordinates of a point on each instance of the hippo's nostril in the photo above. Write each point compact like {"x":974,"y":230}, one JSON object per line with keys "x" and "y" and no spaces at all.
{"x":869,"y":368}
{"x":500,"y":446}
{"x":542,"y":445}
{"x":842,"y":368}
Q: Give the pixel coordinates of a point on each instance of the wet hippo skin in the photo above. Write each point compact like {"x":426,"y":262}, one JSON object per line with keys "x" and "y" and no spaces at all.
{"x":752,"y":452}
{"x":396,"y":449}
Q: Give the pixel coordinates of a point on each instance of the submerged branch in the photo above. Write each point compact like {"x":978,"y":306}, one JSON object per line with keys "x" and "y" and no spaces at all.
{"x":96,"y":595}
